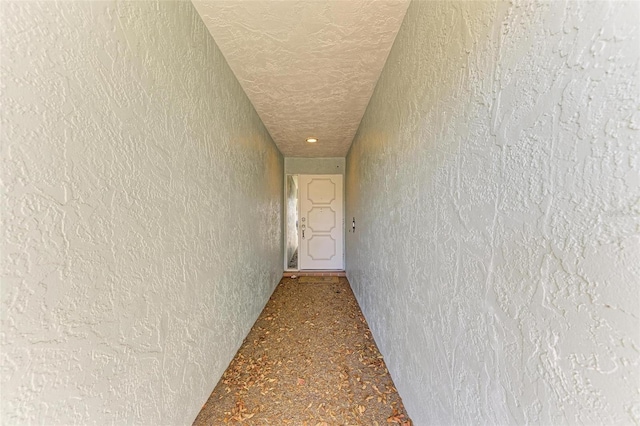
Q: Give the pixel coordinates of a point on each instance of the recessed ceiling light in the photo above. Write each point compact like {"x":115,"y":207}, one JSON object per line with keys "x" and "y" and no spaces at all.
{"x":312,"y":140}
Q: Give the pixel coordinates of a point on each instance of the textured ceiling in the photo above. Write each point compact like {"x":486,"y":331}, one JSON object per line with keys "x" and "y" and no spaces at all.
{"x":309,"y":67}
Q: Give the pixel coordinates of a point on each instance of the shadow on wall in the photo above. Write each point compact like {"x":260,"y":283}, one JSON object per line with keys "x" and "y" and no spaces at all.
{"x":491,"y":181}
{"x":141,"y":218}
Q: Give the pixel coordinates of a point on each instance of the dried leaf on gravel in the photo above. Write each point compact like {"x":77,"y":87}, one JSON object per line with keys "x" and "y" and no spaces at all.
{"x":314,"y":336}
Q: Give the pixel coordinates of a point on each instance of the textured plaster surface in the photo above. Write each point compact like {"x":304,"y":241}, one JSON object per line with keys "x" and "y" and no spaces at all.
{"x":495,"y":183}
{"x":309,"y":67}
{"x":141,"y":213}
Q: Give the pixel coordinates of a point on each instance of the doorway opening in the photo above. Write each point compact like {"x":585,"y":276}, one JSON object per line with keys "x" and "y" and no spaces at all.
{"x":314,"y":236}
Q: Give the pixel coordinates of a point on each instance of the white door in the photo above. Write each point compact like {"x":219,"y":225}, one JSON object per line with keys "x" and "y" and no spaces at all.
{"x":321,"y":223}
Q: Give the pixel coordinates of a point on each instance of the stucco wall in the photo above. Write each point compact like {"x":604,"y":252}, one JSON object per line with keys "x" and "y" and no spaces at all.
{"x":495,"y":183}
{"x":141,"y":213}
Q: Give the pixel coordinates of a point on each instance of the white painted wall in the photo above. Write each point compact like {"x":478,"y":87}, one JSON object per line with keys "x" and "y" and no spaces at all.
{"x":141,"y":213}
{"x":495,"y":183}
{"x":314,"y":166}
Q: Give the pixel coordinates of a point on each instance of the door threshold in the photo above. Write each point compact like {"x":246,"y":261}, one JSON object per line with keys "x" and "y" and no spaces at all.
{"x":315,"y":273}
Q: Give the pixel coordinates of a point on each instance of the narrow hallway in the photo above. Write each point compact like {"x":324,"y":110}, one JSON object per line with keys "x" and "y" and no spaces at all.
{"x":472,"y":167}
{"x":308,"y":360}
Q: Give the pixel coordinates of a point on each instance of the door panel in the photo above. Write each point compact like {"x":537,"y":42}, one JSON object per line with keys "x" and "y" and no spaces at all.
{"x":322,"y":219}
{"x":321,"y":222}
{"x":322,"y":247}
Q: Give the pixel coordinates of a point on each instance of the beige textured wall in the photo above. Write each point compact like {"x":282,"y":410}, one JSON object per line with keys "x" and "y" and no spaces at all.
{"x":141,"y":213}
{"x":495,"y":180}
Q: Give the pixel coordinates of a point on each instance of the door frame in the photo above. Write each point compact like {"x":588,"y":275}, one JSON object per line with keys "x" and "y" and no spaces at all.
{"x":286,"y":224}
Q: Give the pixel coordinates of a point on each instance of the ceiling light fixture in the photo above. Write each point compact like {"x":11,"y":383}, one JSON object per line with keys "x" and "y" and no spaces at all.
{"x":312,"y":140}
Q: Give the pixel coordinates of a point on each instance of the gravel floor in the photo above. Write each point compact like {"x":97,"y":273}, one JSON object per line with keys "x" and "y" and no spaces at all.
{"x":308,"y":360}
